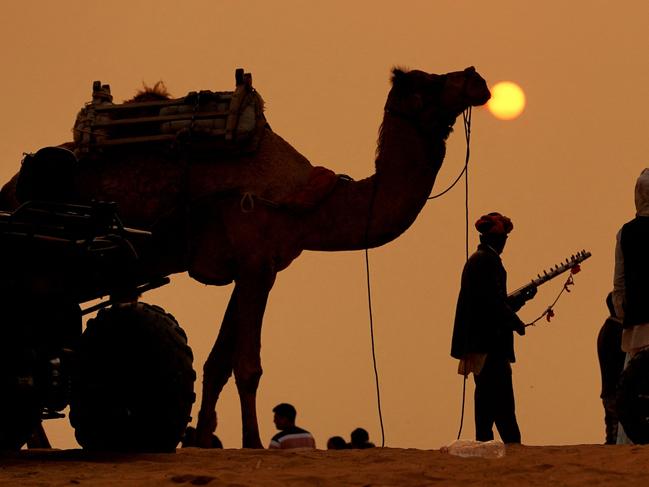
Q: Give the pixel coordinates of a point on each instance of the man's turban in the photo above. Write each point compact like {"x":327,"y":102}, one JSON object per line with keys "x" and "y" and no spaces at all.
{"x":494,"y":223}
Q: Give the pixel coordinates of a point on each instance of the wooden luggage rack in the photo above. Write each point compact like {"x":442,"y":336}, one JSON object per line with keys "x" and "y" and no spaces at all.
{"x":228,"y":119}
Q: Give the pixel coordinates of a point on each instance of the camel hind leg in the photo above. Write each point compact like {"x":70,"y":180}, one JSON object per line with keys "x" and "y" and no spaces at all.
{"x":237,"y":349}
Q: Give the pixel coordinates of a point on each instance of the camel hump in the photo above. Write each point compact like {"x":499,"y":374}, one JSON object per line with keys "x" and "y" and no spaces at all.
{"x":230,"y":121}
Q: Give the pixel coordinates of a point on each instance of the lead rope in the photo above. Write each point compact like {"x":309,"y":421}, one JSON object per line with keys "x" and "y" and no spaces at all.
{"x":369,"y":303}
{"x":467,"y":133}
{"x":466,"y":115}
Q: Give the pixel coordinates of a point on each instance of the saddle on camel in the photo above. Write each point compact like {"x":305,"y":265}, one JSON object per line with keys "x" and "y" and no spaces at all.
{"x":229,"y":123}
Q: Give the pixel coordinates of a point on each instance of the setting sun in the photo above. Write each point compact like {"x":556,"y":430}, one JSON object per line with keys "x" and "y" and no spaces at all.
{"x":507,"y":100}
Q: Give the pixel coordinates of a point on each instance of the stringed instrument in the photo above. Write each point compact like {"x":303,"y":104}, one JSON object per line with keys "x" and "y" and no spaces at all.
{"x":520,"y":294}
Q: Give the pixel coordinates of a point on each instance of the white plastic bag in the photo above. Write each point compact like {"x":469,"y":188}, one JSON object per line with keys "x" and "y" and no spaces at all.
{"x":472,"y":448}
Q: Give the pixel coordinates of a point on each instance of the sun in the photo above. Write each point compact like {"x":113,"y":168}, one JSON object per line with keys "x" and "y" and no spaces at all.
{"x":507,"y":100}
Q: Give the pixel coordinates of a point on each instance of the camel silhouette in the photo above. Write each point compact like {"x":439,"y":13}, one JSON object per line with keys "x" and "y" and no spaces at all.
{"x":212,"y":216}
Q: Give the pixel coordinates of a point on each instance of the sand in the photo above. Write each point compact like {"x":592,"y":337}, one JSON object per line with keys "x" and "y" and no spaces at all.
{"x":578,"y":465}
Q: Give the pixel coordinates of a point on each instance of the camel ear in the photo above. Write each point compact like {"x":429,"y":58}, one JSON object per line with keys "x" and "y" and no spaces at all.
{"x":399,"y":78}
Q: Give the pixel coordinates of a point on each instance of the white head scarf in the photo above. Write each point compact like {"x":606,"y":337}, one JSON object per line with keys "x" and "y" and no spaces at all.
{"x":642,"y":193}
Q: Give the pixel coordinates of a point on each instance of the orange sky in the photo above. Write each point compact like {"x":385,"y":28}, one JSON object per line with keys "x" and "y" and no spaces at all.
{"x":564,"y":172}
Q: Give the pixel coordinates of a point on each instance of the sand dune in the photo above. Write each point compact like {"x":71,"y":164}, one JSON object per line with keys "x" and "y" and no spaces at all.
{"x":579,"y":465}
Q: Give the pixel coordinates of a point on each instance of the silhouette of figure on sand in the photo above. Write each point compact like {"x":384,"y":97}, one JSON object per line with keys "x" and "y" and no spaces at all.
{"x":189,"y":439}
{"x":360,"y":439}
{"x":630,"y":289}
{"x":290,"y":436}
{"x":483,"y":338}
{"x":611,"y":363}
{"x":337,"y":443}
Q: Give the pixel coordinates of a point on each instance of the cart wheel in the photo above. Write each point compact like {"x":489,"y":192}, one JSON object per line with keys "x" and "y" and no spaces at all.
{"x":20,"y":411}
{"x":135,"y":387}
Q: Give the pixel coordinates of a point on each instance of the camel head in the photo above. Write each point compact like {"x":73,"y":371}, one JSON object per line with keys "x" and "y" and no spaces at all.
{"x":435,"y":100}
{"x":463,"y":89}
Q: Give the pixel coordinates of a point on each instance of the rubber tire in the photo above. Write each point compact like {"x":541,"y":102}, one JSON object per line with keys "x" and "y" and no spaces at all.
{"x":135,"y":386}
{"x":20,"y":413}
{"x":633,"y":399}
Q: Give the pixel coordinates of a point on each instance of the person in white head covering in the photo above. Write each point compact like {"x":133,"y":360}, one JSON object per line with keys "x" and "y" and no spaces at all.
{"x":631,"y":278}
{"x":631,"y":275}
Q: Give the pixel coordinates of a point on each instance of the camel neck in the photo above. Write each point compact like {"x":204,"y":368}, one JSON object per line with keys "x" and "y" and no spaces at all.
{"x":378,"y":209}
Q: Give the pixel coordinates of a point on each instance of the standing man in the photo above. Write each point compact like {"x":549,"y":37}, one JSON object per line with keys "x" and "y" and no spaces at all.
{"x":483,"y":338}
{"x":631,"y":278}
{"x":289,"y":436}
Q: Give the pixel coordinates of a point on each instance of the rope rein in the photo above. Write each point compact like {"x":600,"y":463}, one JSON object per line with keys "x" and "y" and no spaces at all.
{"x":466,"y":115}
{"x":376,"y":372}
{"x":465,"y":170}
{"x":371,"y":318}
{"x":467,"y":131}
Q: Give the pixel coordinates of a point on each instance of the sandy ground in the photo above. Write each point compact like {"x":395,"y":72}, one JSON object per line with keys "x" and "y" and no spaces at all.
{"x":579,"y":465}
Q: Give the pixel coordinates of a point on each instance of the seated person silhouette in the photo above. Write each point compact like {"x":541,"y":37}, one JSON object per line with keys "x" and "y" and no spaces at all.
{"x":290,"y":436}
{"x":189,"y":439}
{"x":360,"y":439}
{"x":336,"y":443}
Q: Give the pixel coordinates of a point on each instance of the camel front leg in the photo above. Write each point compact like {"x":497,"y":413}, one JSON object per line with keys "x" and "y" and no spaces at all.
{"x":253,"y":290}
{"x":216,"y":372}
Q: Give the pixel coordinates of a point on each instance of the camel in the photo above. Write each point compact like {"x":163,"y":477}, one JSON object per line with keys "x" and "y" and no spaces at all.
{"x":219,"y":236}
